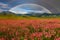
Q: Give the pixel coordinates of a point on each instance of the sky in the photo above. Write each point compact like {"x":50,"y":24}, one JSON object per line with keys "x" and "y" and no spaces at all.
{"x":26,"y":8}
{"x":52,"y":5}
{"x":7,"y":4}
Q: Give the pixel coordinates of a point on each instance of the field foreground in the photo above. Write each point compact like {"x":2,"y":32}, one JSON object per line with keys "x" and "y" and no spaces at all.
{"x":32,"y":29}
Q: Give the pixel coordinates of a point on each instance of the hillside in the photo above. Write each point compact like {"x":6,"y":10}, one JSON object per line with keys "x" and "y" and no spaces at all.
{"x":10,"y":15}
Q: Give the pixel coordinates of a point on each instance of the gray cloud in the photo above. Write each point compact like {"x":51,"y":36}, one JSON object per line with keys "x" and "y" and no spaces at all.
{"x":1,"y":10}
{"x":2,"y":5}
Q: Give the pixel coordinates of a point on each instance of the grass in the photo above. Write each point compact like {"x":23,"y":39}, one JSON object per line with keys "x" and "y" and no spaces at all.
{"x":27,"y":17}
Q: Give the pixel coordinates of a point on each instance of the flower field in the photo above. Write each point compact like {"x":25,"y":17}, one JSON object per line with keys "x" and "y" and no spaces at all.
{"x":32,"y":29}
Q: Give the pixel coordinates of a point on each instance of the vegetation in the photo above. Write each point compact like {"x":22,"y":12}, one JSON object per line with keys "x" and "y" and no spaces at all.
{"x":10,"y":15}
{"x":31,"y":27}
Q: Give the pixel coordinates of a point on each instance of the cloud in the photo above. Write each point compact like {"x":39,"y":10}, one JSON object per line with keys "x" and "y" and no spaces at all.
{"x":1,"y":10}
{"x":2,"y":5}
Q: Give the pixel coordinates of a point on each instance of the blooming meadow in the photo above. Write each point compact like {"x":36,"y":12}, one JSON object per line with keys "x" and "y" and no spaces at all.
{"x":38,"y":29}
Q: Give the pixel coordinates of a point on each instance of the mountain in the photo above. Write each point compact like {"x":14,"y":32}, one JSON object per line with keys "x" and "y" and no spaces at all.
{"x":29,"y":14}
{"x":6,"y":13}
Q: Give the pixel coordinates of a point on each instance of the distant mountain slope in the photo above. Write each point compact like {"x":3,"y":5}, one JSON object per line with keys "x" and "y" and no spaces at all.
{"x":28,"y":14}
{"x":6,"y":13}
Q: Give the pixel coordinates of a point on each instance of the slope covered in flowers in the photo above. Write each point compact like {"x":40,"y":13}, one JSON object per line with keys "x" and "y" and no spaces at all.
{"x":32,"y":29}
